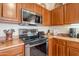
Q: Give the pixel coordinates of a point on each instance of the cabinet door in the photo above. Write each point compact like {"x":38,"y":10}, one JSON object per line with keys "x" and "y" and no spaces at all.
{"x":13,"y":51}
{"x":61,"y":50}
{"x":50,"y":47}
{"x":9,"y":11}
{"x":46,"y":17}
{"x":55,"y":47}
{"x":0,"y":9}
{"x":18,"y":13}
{"x":57,"y":16}
{"x":37,"y":9}
{"x":71,"y":13}
{"x":73,"y":51}
{"x":28,"y":6}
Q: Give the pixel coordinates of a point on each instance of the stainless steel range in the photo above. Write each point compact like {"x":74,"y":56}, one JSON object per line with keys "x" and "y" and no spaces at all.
{"x":32,"y":38}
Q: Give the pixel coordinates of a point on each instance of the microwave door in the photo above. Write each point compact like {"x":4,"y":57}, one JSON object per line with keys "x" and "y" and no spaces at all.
{"x":37,"y":19}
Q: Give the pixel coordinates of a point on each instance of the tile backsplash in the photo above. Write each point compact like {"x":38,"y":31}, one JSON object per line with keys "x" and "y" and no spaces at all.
{"x":64,"y":28}
{"x":17,"y":27}
{"x":53,"y":29}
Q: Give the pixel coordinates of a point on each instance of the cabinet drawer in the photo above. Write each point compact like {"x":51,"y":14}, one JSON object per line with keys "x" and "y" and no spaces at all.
{"x":61,"y":42}
{"x":73,"y":44}
{"x":12,"y":51}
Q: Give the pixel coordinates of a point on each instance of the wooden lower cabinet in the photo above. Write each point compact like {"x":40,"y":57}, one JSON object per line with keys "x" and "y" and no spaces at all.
{"x":50,"y":47}
{"x":72,"y":48}
{"x":61,"y":47}
{"x":56,"y":48}
{"x":13,"y":51}
{"x":61,"y":50}
{"x":72,"y":52}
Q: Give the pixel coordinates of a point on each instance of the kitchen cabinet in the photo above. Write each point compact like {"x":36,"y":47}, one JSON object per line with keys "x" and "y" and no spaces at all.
{"x":13,"y":47}
{"x":18,"y":13}
{"x":71,"y":13}
{"x":60,"y":47}
{"x":63,"y":46}
{"x":9,"y":11}
{"x":50,"y":47}
{"x":37,"y":9}
{"x":28,"y":6}
{"x":40,"y":11}
{"x":57,"y":47}
{"x":72,"y":48}
{"x":13,"y":51}
{"x":0,"y":9}
{"x":46,"y":17}
{"x":57,"y":16}
{"x":73,"y":52}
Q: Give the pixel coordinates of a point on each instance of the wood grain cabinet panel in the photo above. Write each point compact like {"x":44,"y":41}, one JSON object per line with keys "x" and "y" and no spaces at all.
{"x":37,"y":9}
{"x":72,"y":48}
{"x":0,"y":9}
{"x":58,"y":47}
{"x":13,"y":51}
{"x":71,"y":51}
{"x":46,"y":17}
{"x":57,"y":16}
{"x":61,"y":50}
{"x":61,"y":47}
{"x":9,"y":11}
{"x":71,"y":13}
{"x":18,"y":13}
{"x":28,"y":6}
{"x":50,"y":47}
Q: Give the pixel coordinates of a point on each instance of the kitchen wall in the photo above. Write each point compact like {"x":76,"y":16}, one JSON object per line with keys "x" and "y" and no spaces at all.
{"x":17,"y":27}
{"x":53,"y":29}
{"x":64,"y":28}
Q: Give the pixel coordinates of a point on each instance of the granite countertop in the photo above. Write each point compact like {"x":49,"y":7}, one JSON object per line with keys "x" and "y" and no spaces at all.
{"x":10,"y":43}
{"x":64,"y":38}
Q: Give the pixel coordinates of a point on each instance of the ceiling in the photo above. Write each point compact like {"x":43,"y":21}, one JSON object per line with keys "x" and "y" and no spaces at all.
{"x":50,"y":6}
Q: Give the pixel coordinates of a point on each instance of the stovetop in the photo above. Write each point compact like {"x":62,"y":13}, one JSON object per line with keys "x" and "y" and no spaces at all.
{"x":33,"y":40}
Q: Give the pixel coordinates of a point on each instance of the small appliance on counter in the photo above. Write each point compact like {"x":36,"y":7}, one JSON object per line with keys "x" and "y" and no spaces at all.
{"x":77,"y":35}
{"x":72,"y":32}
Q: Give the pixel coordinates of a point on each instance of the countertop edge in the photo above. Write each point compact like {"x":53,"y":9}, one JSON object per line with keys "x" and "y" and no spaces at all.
{"x":11,"y":46}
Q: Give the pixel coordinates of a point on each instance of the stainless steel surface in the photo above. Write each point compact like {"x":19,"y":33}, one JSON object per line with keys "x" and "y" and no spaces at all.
{"x":31,"y":18}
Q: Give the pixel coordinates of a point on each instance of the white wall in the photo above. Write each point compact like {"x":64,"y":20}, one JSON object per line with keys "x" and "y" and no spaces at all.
{"x":17,"y":27}
{"x":54,"y":29}
{"x":64,"y":28}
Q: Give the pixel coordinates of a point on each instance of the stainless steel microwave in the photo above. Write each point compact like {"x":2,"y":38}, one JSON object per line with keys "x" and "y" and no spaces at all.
{"x":31,"y":18}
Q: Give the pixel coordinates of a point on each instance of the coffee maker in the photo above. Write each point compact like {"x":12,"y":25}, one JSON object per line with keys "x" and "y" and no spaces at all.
{"x":72,"y":32}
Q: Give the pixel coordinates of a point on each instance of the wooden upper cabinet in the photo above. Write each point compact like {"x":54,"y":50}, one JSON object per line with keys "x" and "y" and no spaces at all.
{"x":71,"y":13}
{"x":9,"y":11}
{"x":57,"y":16}
{"x":0,"y":9}
{"x":28,"y":6}
{"x":46,"y":17}
{"x":37,"y":8}
{"x":18,"y":13}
